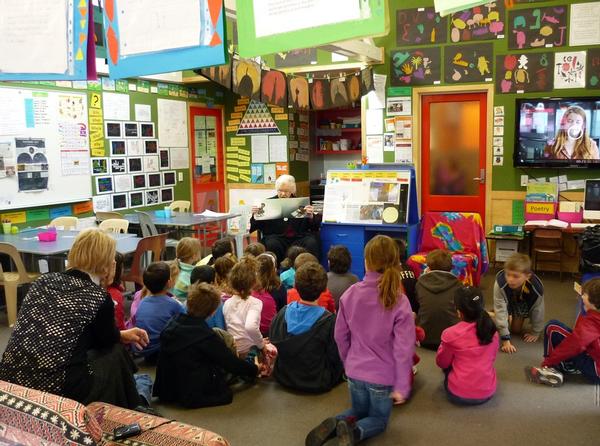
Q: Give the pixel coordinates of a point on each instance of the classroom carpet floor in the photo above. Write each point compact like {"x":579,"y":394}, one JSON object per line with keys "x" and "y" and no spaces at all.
{"x":520,"y":413}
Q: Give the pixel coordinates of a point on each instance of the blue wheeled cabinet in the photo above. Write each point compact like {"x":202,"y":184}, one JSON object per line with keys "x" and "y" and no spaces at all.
{"x":356,"y":210}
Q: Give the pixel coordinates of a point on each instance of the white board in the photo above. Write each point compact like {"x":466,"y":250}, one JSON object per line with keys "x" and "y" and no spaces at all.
{"x":172,"y":123}
{"x":44,"y":148}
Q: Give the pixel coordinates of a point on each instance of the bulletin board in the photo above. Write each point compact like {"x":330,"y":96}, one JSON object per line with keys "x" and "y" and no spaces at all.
{"x":367,"y":197}
{"x":44,"y":148}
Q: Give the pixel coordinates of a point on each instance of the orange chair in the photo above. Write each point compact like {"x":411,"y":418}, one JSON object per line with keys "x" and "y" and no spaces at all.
{"x":154,"y":244}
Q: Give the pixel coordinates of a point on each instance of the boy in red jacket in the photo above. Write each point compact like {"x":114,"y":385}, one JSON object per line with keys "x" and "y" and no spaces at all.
{"x":574,"y":351}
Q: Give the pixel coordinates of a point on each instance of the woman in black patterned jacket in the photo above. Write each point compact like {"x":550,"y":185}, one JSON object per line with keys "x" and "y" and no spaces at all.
{"x":65,"y":340}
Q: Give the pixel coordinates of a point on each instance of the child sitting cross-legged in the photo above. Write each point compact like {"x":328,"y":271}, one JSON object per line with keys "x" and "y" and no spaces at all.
{"x":435,"y":293}
{"x":339,"y":277}
{"x":267,"y":282}
{"x":206,"y":274}
{"x":575,"y":351}
{"x":157,"y":308}
{"x":468,"y":351}
{"x":193,"y":359}
{"x":325,"y":299}
{"x":188,"y":254}
{"x":242,"y":316}
{"x":518,"y":294}
{"x":308,"y":358}
{"x":288,"y":266}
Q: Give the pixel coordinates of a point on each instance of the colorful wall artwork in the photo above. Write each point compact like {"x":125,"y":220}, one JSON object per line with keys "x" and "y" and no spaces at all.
{"x":274,"y":88}
{"x":246,"y":78}
{"x":417,"y":66}
{"x":320,"y":94}
{"x":524,"y":72}
{"x":569,"y":70}
{"x":479,"y":23}
{"x":537,"y":27}
{"x":468,"y":63}
{"x":593,"y":67}
{"x":420,"y":26}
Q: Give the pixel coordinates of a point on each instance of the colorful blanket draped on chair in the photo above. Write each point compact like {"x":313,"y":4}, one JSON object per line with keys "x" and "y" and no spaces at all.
{"x":463,"y":235}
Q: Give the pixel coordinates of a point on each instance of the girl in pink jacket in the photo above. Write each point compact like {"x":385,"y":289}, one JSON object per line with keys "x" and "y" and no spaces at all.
{"x":468,"y":351}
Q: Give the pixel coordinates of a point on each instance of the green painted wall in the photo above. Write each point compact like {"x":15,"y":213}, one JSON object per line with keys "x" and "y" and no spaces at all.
{"x":505,"y":177}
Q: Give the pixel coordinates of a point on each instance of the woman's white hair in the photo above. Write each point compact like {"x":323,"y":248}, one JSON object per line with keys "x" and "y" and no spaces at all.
{"x":286,"y":179}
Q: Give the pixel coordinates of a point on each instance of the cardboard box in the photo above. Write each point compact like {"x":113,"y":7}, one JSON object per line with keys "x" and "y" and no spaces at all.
{"x":506,"y":248}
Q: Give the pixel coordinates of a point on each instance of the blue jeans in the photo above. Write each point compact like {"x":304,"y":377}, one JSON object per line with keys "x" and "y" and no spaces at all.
{"x":460,"y":400}
{"x":143,"y":383}
{"x":371,"y":406}
{"x":554,"y":333}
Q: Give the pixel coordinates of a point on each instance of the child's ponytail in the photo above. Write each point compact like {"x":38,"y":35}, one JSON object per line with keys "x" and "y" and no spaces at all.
{"x":469,"y":301}
{"x":381,"y":255}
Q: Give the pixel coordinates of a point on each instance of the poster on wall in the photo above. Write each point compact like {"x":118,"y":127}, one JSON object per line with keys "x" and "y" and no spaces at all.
{"x":584,"y":25}
{"x":419,"y":66}
{"x":420,"y":26}
{"x":257,"y":121}
{"x":483,"y":22}
{"x":569,"y":70}
{"x":593,"y":67}
{"x":468,"y":63}
{"x":520,"y":73}
{"x":537,"y":27}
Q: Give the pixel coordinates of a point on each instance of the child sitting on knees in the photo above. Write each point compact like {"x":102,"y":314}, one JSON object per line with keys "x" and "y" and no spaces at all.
{"x":518,"y":294}
{"x":255,"y":249}
{"x":409,"y":281}
{"x":375,"y":334}
{"x":435,"y":293}
{"x":325,"y":299}
{"x":157,"y":308}
{"x":572,"y":351}
{"x":468,"y":351}
{"x":302,"y":331}
{"x":289,"y":271}
{"x":339,"y":277}
{"x":267,"y":279}
{"x":206,"y":274}
{"x":187,"y":254}
{"x":193,"y":358}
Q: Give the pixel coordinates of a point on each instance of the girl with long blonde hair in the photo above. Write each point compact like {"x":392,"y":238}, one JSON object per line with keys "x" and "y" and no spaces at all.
{"x":572,"y":140}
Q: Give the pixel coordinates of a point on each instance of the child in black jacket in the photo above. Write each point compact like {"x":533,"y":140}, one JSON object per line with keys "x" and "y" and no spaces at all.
{"x":193,"y":359}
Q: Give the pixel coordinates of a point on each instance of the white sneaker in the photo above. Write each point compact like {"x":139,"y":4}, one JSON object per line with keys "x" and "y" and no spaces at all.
{"x":544,"y":375}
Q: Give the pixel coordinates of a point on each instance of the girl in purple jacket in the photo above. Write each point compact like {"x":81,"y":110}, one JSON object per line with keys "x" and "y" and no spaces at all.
{"x":375,"y":334}
{"x":468,"y":351}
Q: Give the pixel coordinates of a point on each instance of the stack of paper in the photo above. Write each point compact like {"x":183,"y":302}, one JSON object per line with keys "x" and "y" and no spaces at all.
{"x":209,"y":213}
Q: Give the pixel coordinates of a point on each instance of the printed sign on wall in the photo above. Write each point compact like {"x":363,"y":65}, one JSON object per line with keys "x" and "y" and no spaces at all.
{"x":524,"y":72}
{"x":416,"y":66}
{"x":468,"y":63}
{"x":420,"y":26}
{"x":479,"y":23}
{"x":537,"y":27}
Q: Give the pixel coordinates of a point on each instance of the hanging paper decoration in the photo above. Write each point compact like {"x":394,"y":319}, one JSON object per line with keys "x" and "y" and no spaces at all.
{"x":220,"y":74}
{"x":246,"y":78}
{"x":319,"y":94}
{"x":274,"y":88}
{"x":353,"y":87}
{"x":338,"y":93}
{"x":298,"y":92}
{"x":366,"y":81}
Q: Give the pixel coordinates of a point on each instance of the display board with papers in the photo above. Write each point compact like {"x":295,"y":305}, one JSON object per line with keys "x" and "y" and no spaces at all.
{"x":370,"y":197}
{"x":44,"y":148}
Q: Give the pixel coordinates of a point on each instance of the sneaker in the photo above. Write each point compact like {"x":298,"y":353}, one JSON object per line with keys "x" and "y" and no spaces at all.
{"x":568,"y":368}
{"x":347,"y":433}
{"x":544,"y":375}
{"x":323,"y":432}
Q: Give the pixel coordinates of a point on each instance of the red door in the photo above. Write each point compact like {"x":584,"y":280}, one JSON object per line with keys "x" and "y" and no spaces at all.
{"x":208,"y":183}
{"x":453,"y":152}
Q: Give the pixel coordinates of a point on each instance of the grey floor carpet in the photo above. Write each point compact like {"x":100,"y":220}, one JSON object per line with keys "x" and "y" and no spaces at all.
{"x":520,"y":413}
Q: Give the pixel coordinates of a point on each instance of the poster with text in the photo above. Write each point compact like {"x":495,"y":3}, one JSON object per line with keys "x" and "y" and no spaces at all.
{"x":468,"y":63}
{"x":537,"y":27}
{"x":420,"y":26}
{"x":417,"y":66}
{"x":483,"y":22}
{"x":569,"y":70}
{"x":524,"y":72}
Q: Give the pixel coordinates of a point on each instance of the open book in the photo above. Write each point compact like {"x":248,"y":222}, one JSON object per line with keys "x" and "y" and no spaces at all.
{"x":274,"y":208}
{"x":548,"y":223}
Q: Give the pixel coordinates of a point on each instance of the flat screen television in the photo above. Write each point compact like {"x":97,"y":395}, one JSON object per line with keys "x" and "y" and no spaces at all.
{"x":557,"y":132}
{"x":591,"y":200}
